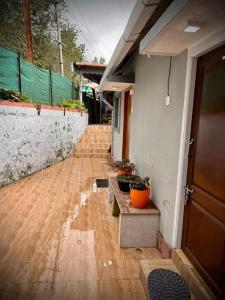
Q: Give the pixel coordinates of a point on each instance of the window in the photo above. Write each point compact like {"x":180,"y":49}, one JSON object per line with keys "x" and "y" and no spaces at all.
{"x":117,"y":113}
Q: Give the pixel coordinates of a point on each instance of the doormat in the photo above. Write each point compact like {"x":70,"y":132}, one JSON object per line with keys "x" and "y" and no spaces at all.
{"x":102,"y":183}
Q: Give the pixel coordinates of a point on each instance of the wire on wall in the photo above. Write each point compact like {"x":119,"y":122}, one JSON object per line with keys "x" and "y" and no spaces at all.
{"x":168,"y":80}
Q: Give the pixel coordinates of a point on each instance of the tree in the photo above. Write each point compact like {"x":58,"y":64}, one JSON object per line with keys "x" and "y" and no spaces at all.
{"x":12,"y":25}
{"x":95,"y":60}
{"x":43,"y":33}
{"x":101,"y":60}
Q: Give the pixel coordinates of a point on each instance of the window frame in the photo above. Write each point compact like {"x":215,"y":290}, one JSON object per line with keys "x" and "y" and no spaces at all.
{"x":117,"y":108}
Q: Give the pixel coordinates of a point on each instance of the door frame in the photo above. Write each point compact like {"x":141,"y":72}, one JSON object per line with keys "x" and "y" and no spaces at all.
{"x":211,"y":42}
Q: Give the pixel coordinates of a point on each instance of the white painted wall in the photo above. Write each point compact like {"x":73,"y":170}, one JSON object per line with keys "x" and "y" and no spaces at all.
{"x":156,"y":130}
{"x":29,"y":143}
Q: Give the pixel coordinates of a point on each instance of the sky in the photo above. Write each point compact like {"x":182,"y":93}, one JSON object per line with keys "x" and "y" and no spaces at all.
{"x":101,"y":22}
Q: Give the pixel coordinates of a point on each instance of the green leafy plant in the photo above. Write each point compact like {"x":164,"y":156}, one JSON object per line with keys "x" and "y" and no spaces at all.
{"x":125,"y":165}
{"x":13,"y":96}
{"x":128,"y":178}
{"x":140,"y":184}
{"x":124,"y":181}
{"x":73,"y":104}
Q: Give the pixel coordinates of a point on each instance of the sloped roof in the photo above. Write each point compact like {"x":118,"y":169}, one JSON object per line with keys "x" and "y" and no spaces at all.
{"x":91,"y":71}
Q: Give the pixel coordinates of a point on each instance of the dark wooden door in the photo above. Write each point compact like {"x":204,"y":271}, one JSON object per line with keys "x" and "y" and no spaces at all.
{"x":126,"y":125}
{"x":204,"y":219}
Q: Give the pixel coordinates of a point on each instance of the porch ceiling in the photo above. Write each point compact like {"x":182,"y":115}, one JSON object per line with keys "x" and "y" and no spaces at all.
{"x":167,"y":36}
{"x":115,"y":86}
{"x":118,"y":83}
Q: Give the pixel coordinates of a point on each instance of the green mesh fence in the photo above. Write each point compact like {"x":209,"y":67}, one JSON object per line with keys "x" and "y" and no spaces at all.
{"x":38,"y":84}
{"x":9,"y":69}
{"x":61,"y":88}
{"x":35,"y":83}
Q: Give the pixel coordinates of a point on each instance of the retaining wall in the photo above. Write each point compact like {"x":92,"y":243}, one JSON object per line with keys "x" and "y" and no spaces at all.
{"x":30,"y":142}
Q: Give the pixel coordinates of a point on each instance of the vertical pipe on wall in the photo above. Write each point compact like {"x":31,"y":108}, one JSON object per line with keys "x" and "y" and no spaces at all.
{"x":100,"y":110}
{"x":72,"y":90}
{"x":80,"y":90}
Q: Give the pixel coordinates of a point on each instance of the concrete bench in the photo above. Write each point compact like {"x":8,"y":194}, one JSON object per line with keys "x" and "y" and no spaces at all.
{"x":137,"y":227}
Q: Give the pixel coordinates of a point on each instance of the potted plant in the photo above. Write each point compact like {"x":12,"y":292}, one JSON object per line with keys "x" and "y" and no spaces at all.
{"x":139,"y":193}
{"x":124,"y":167}
{"x":124,"y":181}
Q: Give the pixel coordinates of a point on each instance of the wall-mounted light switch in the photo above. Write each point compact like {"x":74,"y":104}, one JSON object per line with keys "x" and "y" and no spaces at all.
{"x":168,"y":98}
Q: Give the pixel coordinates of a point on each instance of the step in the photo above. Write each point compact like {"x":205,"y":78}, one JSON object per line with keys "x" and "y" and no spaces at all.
{"x":94,"y":145}
{"x":95,"y":141}
{"x":183,"y":267}
{"x":88,"y":150}
{"x":149,"y":265}
{"x":98,"y":131}
{"x":99,"y":127}
{"x":91,"y":155}
{"x":197,"y":285}
{"x":98,"y":135}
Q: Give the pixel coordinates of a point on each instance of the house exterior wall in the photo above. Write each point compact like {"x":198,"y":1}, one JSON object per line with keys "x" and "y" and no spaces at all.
{"x":29,"y":143}
{"x":156,"y":130}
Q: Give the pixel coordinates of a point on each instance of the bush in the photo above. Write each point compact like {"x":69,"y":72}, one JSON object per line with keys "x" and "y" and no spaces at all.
{"x":13,"y":96}
{"x":73,"y":104}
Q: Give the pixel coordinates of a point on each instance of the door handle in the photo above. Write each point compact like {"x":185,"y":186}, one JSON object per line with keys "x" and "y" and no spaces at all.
{"x":189,"y":145}
{"x":188,"y":193}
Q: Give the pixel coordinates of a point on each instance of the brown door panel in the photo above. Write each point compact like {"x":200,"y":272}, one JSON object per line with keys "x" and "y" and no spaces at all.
{"x":204,"y":219}
{"x":209,"y":202}
{"x":205,"y":241}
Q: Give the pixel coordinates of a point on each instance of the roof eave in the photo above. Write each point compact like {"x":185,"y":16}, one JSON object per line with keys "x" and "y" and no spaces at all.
{"x":138,"y":18}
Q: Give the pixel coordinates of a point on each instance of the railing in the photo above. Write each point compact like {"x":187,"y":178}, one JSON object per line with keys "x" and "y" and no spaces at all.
{"x":106,"y":102}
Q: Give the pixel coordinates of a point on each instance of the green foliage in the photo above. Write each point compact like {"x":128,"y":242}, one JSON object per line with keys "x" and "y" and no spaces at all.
{"x":141,"y":184}
{"x":13,"y":96}
{"x":115,"y":208}
{"x":128,"y":178}
{"x":125,"y":165}
{"x":74,"y":104}
{"x":12,"y":25}
{"x":101,"y":60}
{"x":43,"y":21}
{"x":95,"y":60}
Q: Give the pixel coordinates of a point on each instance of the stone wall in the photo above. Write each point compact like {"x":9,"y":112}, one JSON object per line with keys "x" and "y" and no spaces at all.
{"x":30,"y":142}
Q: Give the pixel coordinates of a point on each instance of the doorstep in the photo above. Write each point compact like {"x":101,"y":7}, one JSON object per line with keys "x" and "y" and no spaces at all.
{"x":178,"y":263}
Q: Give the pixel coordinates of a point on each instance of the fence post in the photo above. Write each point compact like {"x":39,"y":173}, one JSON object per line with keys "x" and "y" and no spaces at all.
{"x":50,"y":86}
{"x":72,"y":90}
{"x":19,"y":72}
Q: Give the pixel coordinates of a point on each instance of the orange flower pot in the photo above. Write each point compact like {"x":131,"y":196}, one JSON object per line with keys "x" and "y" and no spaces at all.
{"x":121,"y":172}
{"x":140,"y":199}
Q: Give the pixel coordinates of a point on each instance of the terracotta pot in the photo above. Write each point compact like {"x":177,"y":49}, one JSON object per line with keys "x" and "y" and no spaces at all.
{"x":121,"y":172}
{"x":140,"y":199}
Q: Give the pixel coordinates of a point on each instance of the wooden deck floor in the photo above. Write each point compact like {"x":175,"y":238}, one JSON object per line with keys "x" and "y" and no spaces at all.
{"x":58,"y":239}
